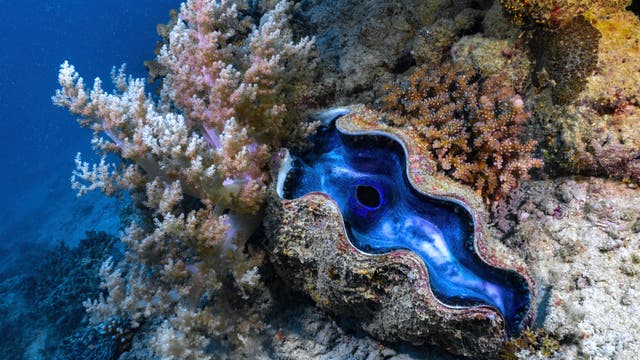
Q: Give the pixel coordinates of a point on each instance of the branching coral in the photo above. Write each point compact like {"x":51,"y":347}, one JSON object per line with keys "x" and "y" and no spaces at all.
{"x":230,"y":95}
{"x":471,"y":126}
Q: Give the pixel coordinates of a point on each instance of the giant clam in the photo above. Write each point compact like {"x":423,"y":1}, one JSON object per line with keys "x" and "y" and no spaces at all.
{"x":362,"y":224}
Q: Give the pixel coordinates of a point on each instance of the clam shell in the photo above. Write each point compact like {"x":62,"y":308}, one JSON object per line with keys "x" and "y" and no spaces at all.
{"x":388,"y":295}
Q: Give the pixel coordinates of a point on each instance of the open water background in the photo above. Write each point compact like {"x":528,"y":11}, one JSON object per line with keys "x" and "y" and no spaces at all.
{"x":38,"y":140}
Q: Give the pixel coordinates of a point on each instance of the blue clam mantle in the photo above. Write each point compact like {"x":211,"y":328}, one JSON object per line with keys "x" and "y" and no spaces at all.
{"x":382,"y":212}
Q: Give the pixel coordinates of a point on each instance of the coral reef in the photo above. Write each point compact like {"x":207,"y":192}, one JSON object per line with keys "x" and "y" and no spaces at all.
{"x":389,"y":294}
{"x":382,"y":213}
{"x":583,"y":84}
{"x":295,"y":327}
{"x":363,"y":47}
{"x":566,"y":57}
{"x":42,"y":305}
{"x":471,"y":127}
{"x":460,"y":85}
{"x":606,"y":138}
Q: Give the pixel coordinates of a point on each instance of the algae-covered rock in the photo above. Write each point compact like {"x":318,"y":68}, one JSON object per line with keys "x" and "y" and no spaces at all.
{"x":590,"y":120}
{"x":495,"y":57}
{"x":365,"y":44}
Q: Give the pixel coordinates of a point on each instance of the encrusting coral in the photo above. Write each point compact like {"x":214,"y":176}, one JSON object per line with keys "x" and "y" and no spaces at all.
{"x":565,"y":57}
{"x":556,"y":12}
{"x":584,"y":85}
{"x":472,"y":127}
{"x":197,"y":158}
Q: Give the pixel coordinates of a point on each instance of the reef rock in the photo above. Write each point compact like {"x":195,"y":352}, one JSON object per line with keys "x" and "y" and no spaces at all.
{"x":363,"y":45}
{"x":586,"y":79}
{"x":580,"y":238}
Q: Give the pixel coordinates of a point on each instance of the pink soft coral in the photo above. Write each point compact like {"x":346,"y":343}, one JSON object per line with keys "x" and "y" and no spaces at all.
{"x":230,"y":96}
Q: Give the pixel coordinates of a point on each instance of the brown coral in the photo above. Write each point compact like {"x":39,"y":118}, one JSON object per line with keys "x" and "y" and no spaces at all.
{"x":568,"y":55}
{"x":471,"y":126}
{"x":594,"y":130}
{"x":531,"y":341}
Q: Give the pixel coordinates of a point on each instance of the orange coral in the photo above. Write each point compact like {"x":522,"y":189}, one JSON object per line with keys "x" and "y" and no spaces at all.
{"x":471,"y":126}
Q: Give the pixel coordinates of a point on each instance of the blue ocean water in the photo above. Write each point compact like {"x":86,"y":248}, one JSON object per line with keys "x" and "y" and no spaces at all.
{"x":39,"y":140}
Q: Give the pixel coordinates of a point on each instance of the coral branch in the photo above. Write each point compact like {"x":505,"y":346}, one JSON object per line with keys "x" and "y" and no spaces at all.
{"x":471,"y":126}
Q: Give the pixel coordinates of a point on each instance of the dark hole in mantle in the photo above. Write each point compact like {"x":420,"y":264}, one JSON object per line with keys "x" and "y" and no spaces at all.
{"x":368,"y":196}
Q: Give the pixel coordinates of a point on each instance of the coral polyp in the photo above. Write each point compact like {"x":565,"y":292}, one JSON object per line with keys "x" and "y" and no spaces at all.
{"x":393,"y":227}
